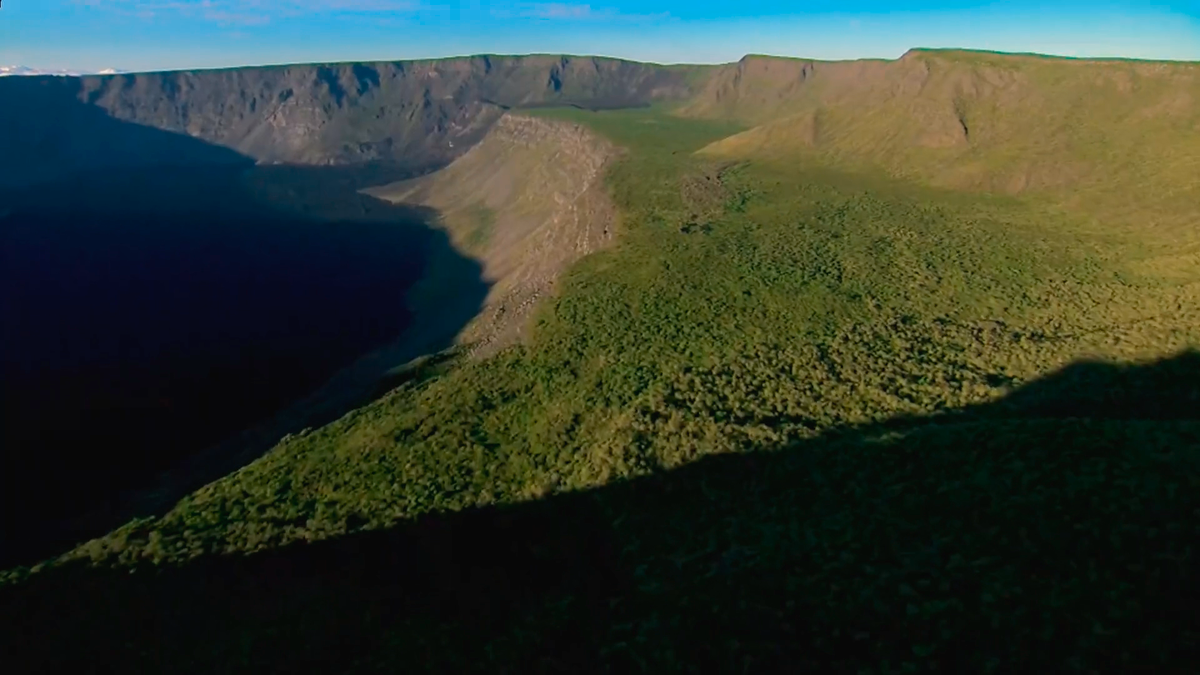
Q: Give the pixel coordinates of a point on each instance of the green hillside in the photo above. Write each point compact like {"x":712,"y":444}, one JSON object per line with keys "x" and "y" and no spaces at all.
{"x":890,"y":366}
{"x":1114,"y":139}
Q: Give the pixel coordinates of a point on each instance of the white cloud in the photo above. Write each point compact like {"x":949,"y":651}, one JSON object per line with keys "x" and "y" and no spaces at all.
{"x":23,"y":70}
{"x":255,"y":12}
{"x":568,"y":12}
{"x":557,"y":10}
{"x":250,"y":12}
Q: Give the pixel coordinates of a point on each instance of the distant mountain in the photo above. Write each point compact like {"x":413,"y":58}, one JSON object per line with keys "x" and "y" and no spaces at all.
{"x":412,"y":115}
{"x":26,"y":70}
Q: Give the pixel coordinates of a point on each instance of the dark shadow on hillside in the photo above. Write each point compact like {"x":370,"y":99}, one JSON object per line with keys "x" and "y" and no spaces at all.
{"x":1002,"y":539}
{"x":589,"y":106}
{"x":177,"y":299}
{"x":47,"y":133}
{"x":1166,"y":390}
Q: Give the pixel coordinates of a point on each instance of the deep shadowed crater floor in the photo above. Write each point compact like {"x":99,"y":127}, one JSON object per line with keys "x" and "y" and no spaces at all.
{"x":149,"y":313}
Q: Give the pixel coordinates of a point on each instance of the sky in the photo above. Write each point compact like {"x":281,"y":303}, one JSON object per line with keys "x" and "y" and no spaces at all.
{"x":175,"y":34}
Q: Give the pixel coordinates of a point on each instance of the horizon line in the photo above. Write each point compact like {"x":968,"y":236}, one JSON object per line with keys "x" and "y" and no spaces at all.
{"x":910,"y":50}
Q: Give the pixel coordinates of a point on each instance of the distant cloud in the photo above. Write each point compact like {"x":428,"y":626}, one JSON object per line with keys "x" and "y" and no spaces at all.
{"x":557,"y":10}
{"x":6,"y":71}
{"x":567,"y":12}
{"x":257,"y":12}
{"x":249,"y":12}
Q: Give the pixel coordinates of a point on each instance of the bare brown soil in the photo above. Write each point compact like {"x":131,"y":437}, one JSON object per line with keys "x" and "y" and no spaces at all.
{"x":526,"y":202}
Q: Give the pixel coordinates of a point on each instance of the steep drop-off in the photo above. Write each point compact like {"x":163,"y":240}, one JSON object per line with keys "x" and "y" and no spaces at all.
{"x":414,"y":114}
{"x":150,"y":314}
{"x":527,"y":202}
{"x":164,"y":280}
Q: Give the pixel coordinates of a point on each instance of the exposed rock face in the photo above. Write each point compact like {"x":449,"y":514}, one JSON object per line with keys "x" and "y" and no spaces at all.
{"x":167,"y":152}
{"x":527,"y":202}
{"x":417,"y":114}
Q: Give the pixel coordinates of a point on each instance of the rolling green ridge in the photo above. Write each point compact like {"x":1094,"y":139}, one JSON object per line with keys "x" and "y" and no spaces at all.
{"x":1115,"y":140}
{"x":890,"y":367}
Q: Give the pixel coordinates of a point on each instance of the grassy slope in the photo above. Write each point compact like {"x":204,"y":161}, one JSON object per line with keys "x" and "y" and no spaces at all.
{"x":1113,"y":139}
{"x":768,"y":305}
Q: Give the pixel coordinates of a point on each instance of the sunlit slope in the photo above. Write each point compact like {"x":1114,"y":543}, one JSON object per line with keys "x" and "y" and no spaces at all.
{"x":1117,"y":140}
{"x":527,"y":202}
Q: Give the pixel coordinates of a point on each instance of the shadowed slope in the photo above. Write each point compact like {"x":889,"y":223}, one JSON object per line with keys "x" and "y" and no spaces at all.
{"x":150,"y":313}
{"x":527,"y":201}
{"x":996,"y":538}
{"x":415,"y":114}
{"x":151,"y":157}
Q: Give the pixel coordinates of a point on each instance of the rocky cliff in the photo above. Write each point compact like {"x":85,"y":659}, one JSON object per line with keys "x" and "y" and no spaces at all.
{"x":415,"y":114}
{"x":526,"y":202}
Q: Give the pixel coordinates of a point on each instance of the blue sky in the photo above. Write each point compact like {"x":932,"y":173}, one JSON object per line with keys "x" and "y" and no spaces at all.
{"x":166,"y":34}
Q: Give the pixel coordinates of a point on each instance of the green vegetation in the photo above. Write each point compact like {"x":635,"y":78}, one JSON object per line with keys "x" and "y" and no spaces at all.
{"x":1109,"y":139}
{"x":912,"y":471}
{"x":818,"y":300}
{"x":483,"y":219}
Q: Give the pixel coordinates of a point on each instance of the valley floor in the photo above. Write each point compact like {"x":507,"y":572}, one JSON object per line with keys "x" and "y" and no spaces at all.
{"x":794,"y":417}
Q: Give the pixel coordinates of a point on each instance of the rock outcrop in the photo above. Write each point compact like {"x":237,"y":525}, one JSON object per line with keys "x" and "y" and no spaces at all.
{"x":414,"y":114}
{"x":526,"y":202}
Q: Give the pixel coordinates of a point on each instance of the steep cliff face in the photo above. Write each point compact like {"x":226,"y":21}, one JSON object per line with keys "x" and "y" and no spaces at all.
{"x":526,"y":202}
{"x":416,"y":114}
